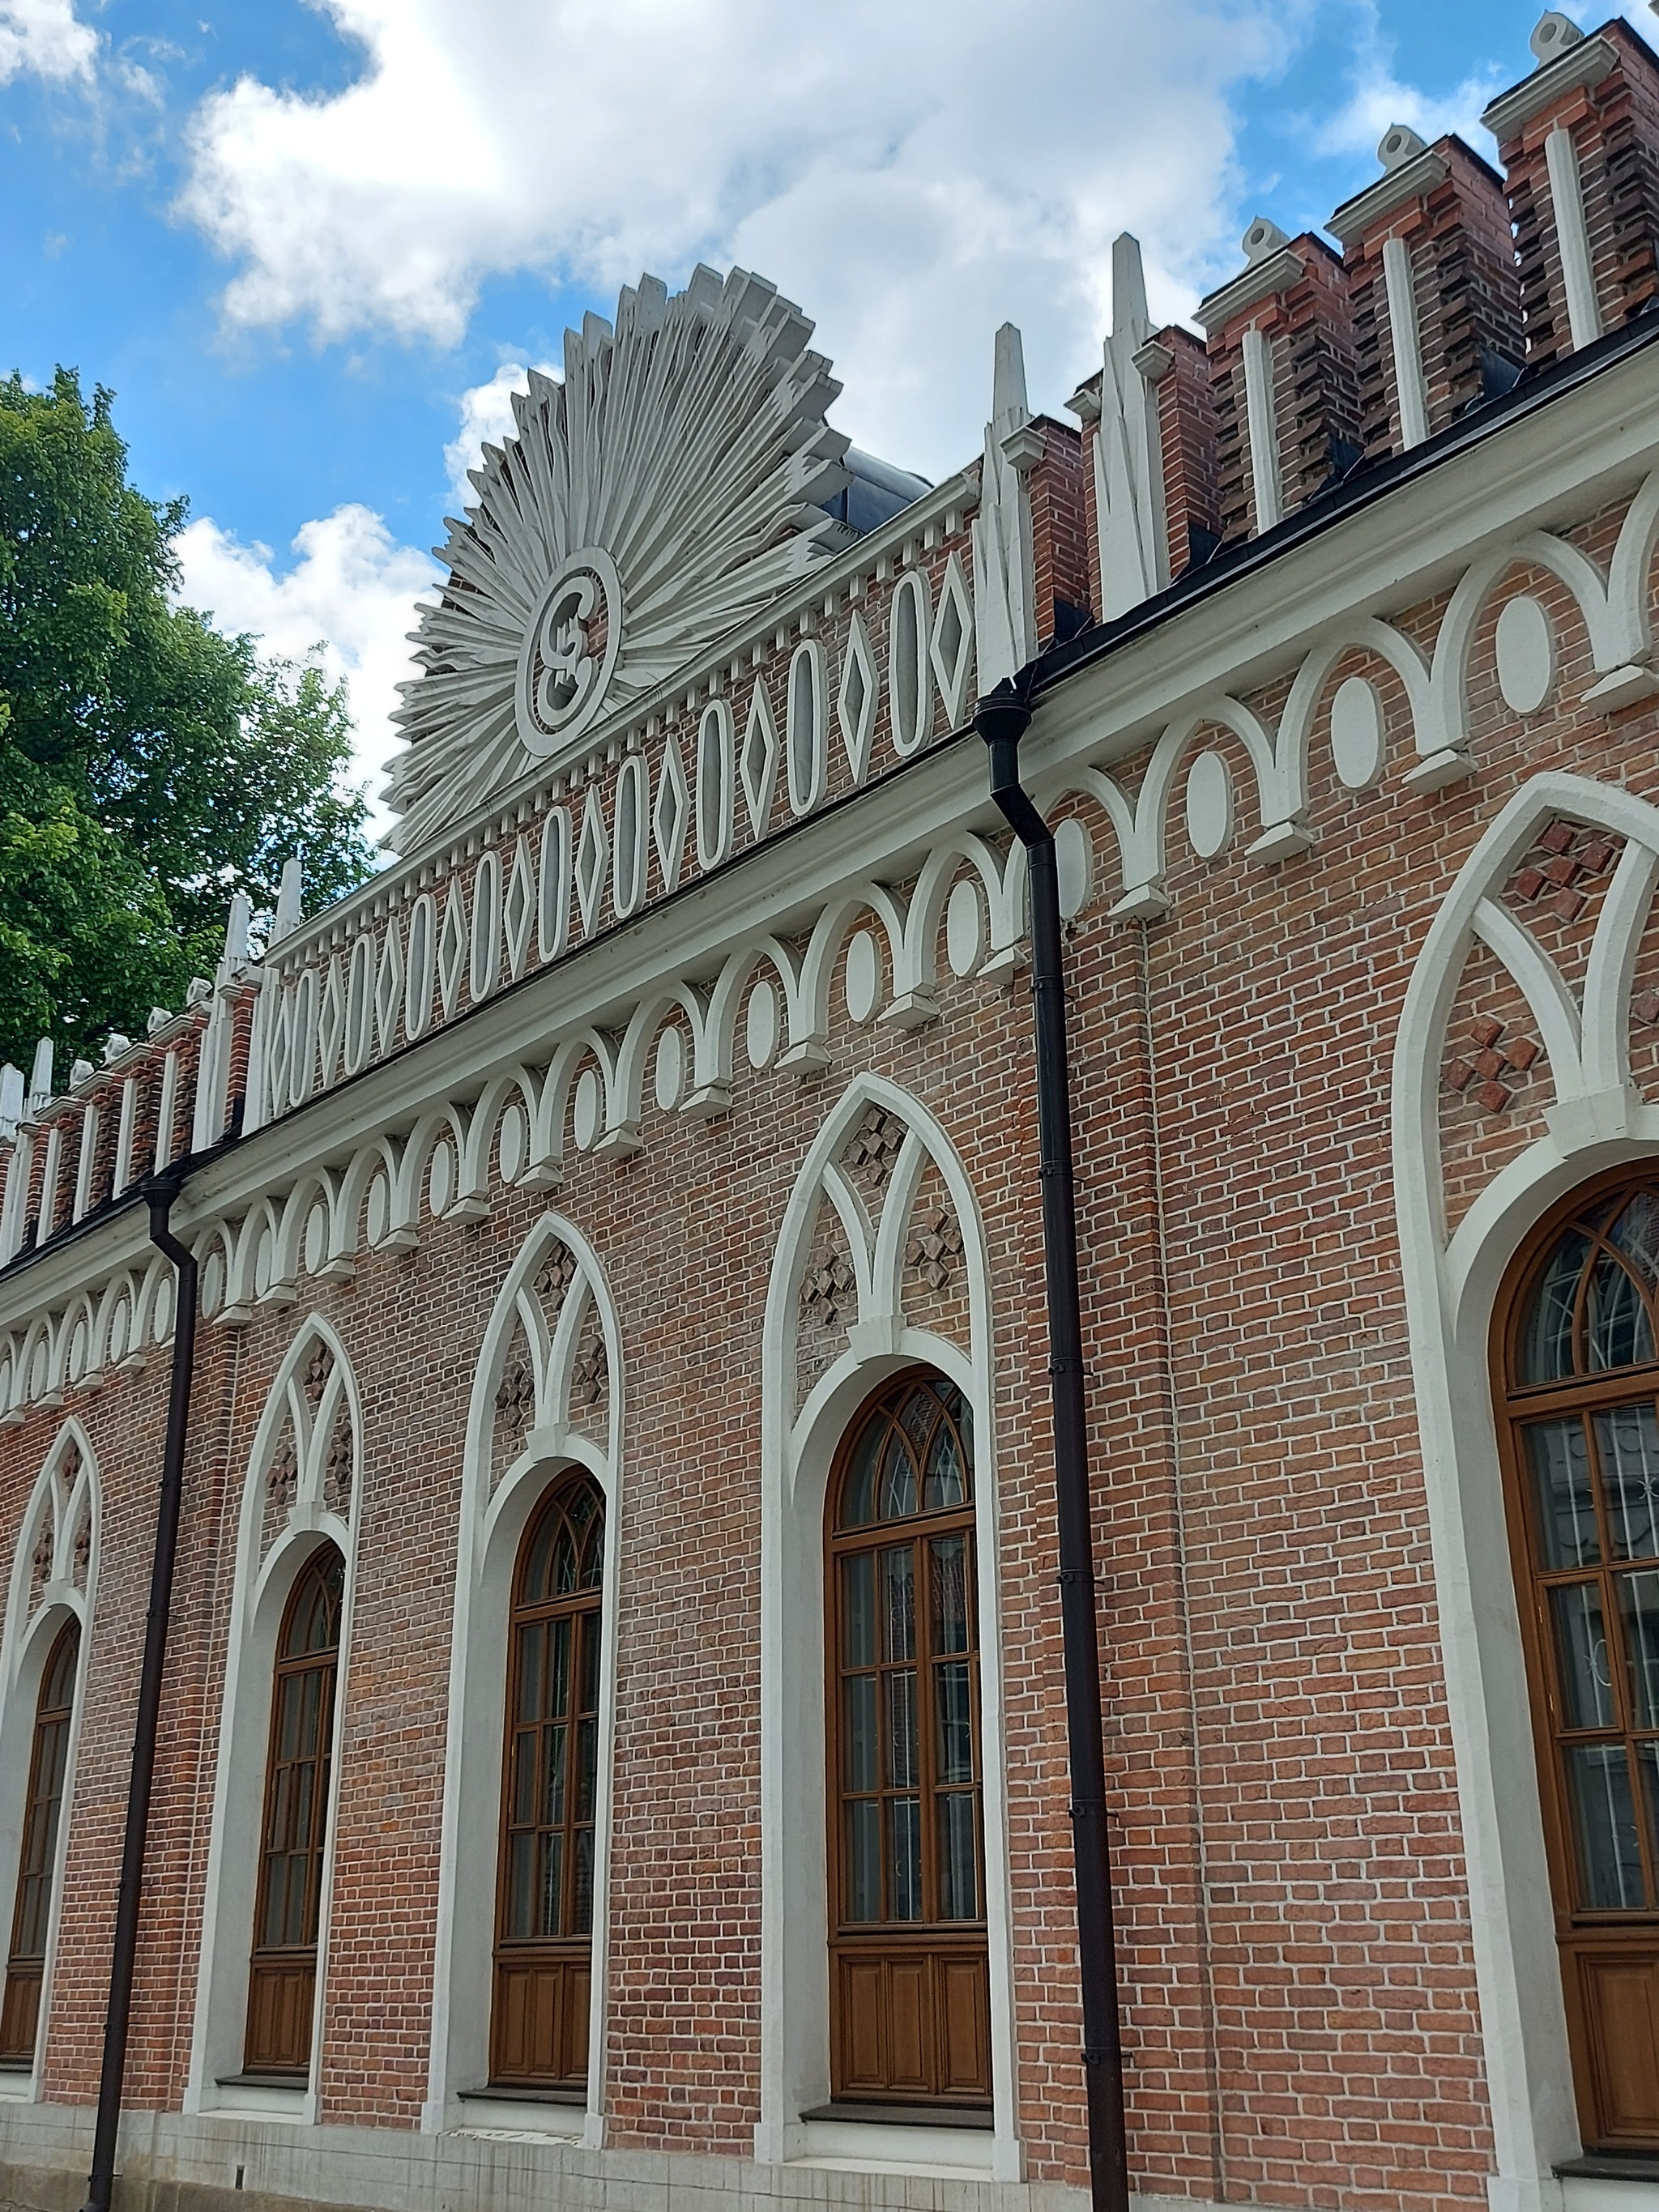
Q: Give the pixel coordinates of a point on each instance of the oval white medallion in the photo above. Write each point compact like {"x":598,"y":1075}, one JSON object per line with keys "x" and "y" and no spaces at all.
{"x":512,"y":1140}
{"x":316,"y":1238}
{"x":440,"y":1179}
{"x":760,"y":1030}
{"x":160,"y":1318}
{"x":1074,"y":864}
{"x":863,"y":975}
{"x":1357,"y":733}
{"x":963,"y":929}
{"x":379,"y":1210}
{"x":584,"y":1115}
{"x":265,"y":1262}
{"x":213,"y":1284}
{"x":1526,"y":655}
{"x":670,"y":1067}
{"x":1209,"y":806}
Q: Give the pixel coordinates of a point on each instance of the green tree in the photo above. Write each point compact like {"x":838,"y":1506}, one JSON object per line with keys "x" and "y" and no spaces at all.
{"x":148,"y":766}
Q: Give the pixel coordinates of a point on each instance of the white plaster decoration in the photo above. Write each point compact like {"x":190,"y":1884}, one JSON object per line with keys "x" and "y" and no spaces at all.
{"x":715,"y":786}
{"x":558,"y":1436}
{"x":123,"y":1173}
{"x":452,"y":951}
{"x":857,"y":698}
{"x":1572,"y":236}
{"x":54,"y":1577}
{"x":302,"y":1038}
{"x":909,"y":673}
{"x":1262,"y":428}
{"x":1074,"y":865}
{"x":389,"y":987}
{"x":663,"y":492}
{"x":671,"y":814}
{"x":1357,"y":735}
{"x":331,"y":1026}
{"x":420,"y":975}
{"x":796,"y":1452}
{"x":486,"y":926}
{"x":761,"y":1023}
{"x":1005,"y":604}
{"x":668,"y":1077}
{"x":806,"y":726}
{"x":757,"y":762}
{"x":1128,"y":467}
{"x":312,"y":1401}
{"x":950,"y":648}
{"x":512,"y":1144}
{"x":632,"y":858}
{"x":519,"y":909}
{"x":1405,"y":341}
{"x":553,"y":887}
{"x":1525,"y":647}
{"x":440,"y":1179}
{"x":965,"y":926}
{"x":861,"y":978}
{"x":1597,"y":1118}
{"x":593,"y":861}
{"x":1210,"y":806}
{"x":585,"y":1110}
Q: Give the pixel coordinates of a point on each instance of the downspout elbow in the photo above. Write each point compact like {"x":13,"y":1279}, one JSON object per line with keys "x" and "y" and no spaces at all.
{"x":1002,"y":720}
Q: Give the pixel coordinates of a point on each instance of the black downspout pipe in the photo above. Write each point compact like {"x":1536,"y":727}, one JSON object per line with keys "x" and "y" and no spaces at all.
{"x":101,"y":2180}
{"x":1002,"y":720}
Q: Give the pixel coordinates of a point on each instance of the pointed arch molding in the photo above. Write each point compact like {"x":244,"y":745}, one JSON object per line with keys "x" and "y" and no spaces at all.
{"x":1597,"y":1118}
{"x":302,"y":1489}
{"x":53,"y":1581}
{"x":542,"y":1334}
{"x":797,"y":1449}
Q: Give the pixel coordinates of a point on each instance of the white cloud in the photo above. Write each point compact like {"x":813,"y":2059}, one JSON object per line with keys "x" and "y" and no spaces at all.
{"x":486,"y":413}
{"x":912,"y":175}
{"x":350,"y":588}
{"x":46,"y":39}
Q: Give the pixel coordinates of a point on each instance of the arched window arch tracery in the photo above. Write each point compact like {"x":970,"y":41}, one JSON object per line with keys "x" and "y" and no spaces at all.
{"x":31,"y":1922}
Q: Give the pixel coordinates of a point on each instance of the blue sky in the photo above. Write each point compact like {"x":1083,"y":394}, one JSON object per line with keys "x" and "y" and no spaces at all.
{"x":308,"y":244}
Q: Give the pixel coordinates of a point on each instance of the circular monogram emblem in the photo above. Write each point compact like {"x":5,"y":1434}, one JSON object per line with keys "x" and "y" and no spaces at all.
{"x":569,"y":651}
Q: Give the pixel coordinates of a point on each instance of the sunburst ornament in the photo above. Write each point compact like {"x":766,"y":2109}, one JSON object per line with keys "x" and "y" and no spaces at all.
{"x":667,"y":489}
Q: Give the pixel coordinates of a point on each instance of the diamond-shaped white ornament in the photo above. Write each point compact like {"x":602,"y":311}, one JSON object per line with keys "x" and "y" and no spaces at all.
{"x":669,"y":815}
{"x":592,"y":859}
{"x":452,"y":950}
{"x":389,"y":987}
{"x":757,"y":762}
{"x":520,"y":909}
{"x":855,"y":703}
{"x":330,"y":1022}
{"x":952,"y":650}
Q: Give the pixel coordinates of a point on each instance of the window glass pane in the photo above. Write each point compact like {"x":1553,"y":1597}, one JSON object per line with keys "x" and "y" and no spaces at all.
{"x":1604,"y":1821}
{"x":898,"y":1603}
{"x":564,"y":1562}
{"x":1627,"y":1444}
{"x":954,"y":1710}
{"x":958,"y":1872}
{"x":898,"y":1480}
{"x":1636,"y":1232}
{"x":520,"y":1886}
{"x":900,"y":1686}
{"x":946,"y":1481}
{"x":588,"y":1767}
{"x":859,"y":1757}
{"x":533,"y":1670}
{"x":904,"y":1857}
{"x":1580,"y":1646}
{"x":863,"y":1859}
{"x":552,"y":1920}
{"x":858,"y":1494}
{"x":1647,"y":1765}
{"x":950,"y":1571}
{"x":1545,"y":1346}
{"x":918,"y":1415}
{"x":588,"y":1689}
{"x":858,"y":1582}
{"x":558,"y":1701}
{"x":524,"y":1777}
{"x":553,"y":1776}
{"x":581,"y":1909}
{"x":1638,"y":1604}
{"x":1617,"y":1330}
{"x":1565,"y":1512}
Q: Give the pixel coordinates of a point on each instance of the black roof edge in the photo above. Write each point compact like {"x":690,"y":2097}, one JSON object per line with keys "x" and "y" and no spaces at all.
{"x":1360,"y":489}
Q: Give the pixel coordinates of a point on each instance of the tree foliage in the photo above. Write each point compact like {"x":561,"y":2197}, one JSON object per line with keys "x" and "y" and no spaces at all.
{"x":148,"y":766}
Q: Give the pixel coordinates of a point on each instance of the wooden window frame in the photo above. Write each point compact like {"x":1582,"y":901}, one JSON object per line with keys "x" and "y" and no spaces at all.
{"x":930,"y":1965}
{"x":282,"y":1977}
{"x":1598,"y":1947}
{"x":20,"y":2009}
{"x":541,"y":1987}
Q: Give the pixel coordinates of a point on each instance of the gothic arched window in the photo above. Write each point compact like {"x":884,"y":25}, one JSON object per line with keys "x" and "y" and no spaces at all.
{"x":550,"y":1790}
{"x":294,"y":1831}
{"x":1580,"y":1389}
{"x":20,"y":2012}
{"x":910,"y":1979}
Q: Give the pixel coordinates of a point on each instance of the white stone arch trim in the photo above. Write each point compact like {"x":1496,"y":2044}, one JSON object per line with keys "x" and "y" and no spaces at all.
{"x":1145,"y":841}
{"x":1629,"y":580}
{"x":67,"y":1491}
{"x":514,"y":1086}
{"x":492,"y":1524}
{"x":1307,"y":689}
{"x":796,"y":1452}
{"x":829,"y":933}
{"x":917,"y":968}
{"x":645,"y":1024}
{"x":264,"y":1578}
{"x":1596,"y":1121}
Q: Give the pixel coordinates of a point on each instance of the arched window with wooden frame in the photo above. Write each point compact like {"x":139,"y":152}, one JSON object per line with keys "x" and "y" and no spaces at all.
{"x":909,"y":1982}
{"x":1579,"y":1384}
{"x":294,"y":1827}
{"x":550,"y":1794}
{"x":37,"y":1868}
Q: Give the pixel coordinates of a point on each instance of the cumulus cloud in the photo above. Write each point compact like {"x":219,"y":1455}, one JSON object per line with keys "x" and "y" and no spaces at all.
{"x":350,"y":589}
{"x":486,"y":413}
{"x":913,"y":176}
{"x":44,"y":38}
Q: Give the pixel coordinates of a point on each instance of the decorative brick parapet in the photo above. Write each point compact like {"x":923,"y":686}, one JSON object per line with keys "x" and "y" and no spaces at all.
{"x":1061,"y":533}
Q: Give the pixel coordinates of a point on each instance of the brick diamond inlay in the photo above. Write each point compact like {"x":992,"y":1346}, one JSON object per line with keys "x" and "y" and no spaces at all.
{"x":1490,"y":1075}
